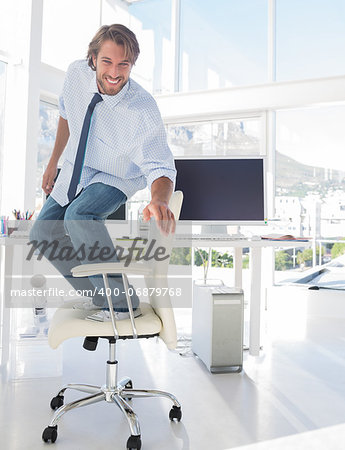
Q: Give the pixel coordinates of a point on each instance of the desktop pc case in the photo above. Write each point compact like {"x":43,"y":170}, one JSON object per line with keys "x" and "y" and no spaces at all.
{"x":217,"y":327}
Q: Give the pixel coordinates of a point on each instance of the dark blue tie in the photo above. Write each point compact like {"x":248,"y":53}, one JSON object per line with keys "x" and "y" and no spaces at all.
{"x":79,"y":159}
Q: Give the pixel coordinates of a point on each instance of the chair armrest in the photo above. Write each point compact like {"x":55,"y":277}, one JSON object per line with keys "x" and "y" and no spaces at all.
{"x":85,"y":270}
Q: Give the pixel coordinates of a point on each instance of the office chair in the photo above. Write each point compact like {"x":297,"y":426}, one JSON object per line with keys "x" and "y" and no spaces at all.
{"x":157,"y":319}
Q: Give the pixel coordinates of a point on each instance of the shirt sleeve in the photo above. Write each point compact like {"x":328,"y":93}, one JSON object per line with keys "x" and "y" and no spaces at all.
{"x":155,"y":158}
{"x":62,"y":110}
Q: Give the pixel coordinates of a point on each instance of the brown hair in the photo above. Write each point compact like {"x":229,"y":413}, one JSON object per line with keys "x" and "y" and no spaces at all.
{"x":119,"y":34}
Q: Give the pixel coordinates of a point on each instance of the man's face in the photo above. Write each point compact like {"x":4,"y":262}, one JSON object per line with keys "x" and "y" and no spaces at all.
{"x":112,"y":68}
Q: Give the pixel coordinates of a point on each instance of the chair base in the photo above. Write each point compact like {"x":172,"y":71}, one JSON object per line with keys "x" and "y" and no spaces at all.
{"x":115,"y":392}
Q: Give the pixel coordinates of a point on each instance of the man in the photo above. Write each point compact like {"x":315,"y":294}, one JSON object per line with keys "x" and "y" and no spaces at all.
{"x":114,"y":143}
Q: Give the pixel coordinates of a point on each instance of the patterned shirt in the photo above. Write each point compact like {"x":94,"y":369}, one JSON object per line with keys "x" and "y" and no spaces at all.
{"x":126,"y":147}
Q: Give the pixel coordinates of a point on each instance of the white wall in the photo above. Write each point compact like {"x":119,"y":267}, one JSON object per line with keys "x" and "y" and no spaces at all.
{"x":270,"y":96}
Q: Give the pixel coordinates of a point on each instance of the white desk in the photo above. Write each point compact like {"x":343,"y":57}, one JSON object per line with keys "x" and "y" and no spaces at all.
{"x":255,"y":267}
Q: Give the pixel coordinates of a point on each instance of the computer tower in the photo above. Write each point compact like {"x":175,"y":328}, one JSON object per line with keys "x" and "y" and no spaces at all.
{"x":217,"y":327}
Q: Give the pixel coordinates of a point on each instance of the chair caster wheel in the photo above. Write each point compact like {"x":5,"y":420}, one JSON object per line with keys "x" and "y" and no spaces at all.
{"x":50,"y":434}
{"x":56,"y":402}
{"x":129,"y":385}
{"x":134,"y":443}
{"x":175,"y":413}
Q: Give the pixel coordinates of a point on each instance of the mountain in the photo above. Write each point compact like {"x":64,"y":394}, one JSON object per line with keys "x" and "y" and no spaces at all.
{"x":297,"y":179}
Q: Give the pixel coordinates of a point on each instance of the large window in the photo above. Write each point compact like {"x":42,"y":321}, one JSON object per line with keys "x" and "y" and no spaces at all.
{"x":151,"y":21}
{"x":3,"y":67}
{"x":223,"y":43}
{"x":49,"y":116}
{"x":310,"y":38}
{"x":310,"y":181}
{"x":310,"y":164}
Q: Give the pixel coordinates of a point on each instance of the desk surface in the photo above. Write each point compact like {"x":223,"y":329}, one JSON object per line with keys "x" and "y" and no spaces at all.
{"x":237,"y":243}
{"x":194,"y":242}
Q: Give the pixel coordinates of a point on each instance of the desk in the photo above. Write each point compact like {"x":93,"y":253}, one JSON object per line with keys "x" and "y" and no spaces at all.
{"x":255,"y":267}
{"x":255,"y":257}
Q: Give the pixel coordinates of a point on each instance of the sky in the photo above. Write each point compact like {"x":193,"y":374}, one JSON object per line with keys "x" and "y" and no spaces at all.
{"x":313,"y":136}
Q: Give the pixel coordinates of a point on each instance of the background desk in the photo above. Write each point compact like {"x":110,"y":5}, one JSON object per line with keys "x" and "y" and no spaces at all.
{"x":255,"y":267}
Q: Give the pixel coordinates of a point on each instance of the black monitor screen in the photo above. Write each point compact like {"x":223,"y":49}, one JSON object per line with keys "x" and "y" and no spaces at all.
{"x":119,"y":214}
{"x":226,"y":190}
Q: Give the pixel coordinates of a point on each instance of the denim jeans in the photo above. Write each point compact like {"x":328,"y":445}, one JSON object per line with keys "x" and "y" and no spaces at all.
{"x":81,"y":223}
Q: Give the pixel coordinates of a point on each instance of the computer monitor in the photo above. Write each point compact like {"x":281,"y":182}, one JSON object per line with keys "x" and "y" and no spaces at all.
{"x":222,"y":191}
{"x":119,"y":214}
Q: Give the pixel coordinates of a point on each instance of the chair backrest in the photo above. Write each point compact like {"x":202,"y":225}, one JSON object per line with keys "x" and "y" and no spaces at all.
{"x":158,"y":282}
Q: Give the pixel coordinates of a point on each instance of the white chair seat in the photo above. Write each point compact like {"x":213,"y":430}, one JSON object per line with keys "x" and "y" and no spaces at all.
{"x":68,"y":322}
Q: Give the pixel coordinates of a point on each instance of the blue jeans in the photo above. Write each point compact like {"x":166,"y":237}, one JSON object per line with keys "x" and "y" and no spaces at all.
{"x":81,"y":224}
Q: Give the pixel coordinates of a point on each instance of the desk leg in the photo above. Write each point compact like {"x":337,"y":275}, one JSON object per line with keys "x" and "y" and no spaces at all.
{"x":238,"y":267}
{"x":8,"y":273}
{"x":255,"y":301}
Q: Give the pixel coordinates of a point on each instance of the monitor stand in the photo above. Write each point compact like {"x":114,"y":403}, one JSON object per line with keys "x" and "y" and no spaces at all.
{"x":221,"y":229}
{"x":214,"y":229}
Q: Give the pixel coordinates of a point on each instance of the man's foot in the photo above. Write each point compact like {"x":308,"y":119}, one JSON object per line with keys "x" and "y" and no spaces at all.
{"x":87,"y":306}
{"x":104,"y":315}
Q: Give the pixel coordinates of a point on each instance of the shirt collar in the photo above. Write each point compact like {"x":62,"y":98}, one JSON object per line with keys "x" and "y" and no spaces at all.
{"x":110,"y":100}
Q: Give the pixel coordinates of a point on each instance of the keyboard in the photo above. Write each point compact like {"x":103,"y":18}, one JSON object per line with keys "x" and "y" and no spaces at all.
{"x":210,"y":237}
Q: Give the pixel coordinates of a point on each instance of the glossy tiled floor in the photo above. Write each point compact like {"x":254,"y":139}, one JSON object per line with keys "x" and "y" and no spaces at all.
{"x":295,"y":385}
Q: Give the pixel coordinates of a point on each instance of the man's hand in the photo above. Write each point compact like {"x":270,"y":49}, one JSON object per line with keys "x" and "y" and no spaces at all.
{"x":164,"y":217}
{"x":48,"y":178}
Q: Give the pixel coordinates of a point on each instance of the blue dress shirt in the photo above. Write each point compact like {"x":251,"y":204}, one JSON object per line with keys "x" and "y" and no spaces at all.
{"x":127,"y":146}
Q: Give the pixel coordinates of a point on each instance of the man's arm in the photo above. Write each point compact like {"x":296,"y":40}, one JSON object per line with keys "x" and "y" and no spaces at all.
{"x":161,"y":190}
{"x":61,"y":139}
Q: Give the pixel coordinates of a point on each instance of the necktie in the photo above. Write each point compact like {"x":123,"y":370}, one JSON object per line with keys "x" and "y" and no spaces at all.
{"x":79,"y":159}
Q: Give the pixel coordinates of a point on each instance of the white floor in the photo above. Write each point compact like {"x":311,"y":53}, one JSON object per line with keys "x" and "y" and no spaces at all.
{"x":295,"y":385}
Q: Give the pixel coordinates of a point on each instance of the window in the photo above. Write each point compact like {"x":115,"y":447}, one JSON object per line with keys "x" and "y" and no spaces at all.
{"x":49,"y":116}
{"x":310,"y":179}
{"x":310,"y":38}
{"x":229,"y":137}
{"x":151,"y":22}
{"x":309,"y":168}
{"x":223,"y":45}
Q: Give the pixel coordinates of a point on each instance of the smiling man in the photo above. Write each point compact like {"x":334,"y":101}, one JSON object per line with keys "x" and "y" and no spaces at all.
{"x":114,"y":144}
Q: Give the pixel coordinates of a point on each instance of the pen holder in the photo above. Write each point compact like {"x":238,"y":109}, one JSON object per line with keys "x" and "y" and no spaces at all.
{"x":23,"y":225}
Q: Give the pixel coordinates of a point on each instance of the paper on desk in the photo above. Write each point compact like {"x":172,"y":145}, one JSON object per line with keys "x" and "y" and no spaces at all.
{"x":284,"y":237}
